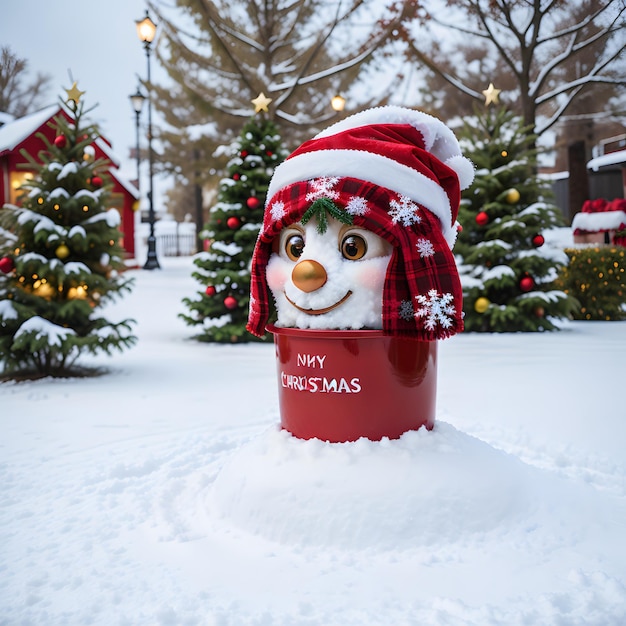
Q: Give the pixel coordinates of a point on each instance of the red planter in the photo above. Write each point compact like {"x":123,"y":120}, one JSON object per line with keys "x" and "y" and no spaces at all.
{"x":338,"y":385}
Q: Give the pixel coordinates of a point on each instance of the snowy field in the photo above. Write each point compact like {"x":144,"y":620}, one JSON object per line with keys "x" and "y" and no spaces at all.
{"x":163,"y":493}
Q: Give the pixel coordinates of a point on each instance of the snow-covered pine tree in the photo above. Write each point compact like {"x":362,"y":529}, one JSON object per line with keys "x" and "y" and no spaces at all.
{"x":221,"y":309}
{"x":60,"y":257}
{"x":507,"y":270}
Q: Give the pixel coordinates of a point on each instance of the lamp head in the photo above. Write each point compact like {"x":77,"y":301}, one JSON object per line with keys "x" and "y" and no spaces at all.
{"x":146,"y":29}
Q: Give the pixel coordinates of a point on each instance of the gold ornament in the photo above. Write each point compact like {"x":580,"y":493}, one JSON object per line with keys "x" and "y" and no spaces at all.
{"x":62,"y":251}
{"x":481,"y":304}
{"x":74,"y":93}
{"x":261,"y":103}
{"x":512,"y":196}
{"x":491,"y":95}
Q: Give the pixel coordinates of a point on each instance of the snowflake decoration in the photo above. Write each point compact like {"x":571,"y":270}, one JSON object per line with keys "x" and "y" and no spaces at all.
{"x":277,"y":211}
{"x":323,"y":188}
{"x":436,"y":309}
{"x":425,"y":247}
{"x":406,"y":311}
{"x":404,"y":211}
{"x":357,"y":206}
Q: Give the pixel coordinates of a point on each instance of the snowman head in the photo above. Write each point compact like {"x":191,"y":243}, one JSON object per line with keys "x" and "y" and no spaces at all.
{"x":359,"y":226}
{"x":328,"y":273}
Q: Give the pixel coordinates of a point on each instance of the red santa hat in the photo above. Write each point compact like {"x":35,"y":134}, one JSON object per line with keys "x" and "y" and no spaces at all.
{"x":398,"y":172}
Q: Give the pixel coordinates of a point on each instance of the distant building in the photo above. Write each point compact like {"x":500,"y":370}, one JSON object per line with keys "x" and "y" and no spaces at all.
{"x":23,"y":134}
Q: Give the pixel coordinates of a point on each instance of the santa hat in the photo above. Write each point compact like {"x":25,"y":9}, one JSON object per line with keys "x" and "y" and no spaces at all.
{"x":399,"y":173}
{"x":393,"y":147}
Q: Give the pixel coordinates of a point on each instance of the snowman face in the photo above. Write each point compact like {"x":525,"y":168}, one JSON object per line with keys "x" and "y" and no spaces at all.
{"x":332,"y":280}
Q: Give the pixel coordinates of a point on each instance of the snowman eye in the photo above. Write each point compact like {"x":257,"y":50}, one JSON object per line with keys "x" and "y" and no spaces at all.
{"x":353,"y":247}
{"x":294,"y":246}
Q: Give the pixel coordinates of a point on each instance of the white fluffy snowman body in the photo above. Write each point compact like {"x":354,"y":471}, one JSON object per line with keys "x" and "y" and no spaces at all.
{"x":328,"y":280}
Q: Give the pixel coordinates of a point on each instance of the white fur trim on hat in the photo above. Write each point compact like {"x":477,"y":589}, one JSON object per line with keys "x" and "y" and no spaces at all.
{"x":375,"y":168}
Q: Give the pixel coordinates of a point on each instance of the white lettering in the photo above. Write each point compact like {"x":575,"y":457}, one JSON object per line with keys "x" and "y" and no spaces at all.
{"x":311,"y":360}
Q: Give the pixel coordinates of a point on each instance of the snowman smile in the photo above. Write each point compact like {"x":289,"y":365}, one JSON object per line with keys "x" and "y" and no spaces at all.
{"x":319,"y":311}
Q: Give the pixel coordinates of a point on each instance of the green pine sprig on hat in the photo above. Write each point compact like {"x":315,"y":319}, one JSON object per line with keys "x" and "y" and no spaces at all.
{"x":322,"y":208}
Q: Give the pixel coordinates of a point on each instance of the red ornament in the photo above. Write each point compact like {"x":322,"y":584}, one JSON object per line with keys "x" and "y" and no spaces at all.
{"x":210,"y":290}
{"x":269,"y":153}
{"x":482,"y":218}
{"x":538,"y":240}
{"x":235,"y":176}
{"x":244,"y":154}
{"x":230,"y":303}
{"x":60,"y":141}
{"x":459,"y":228}
{"x":252,"y":202}
{"x":233,"y":222}
{"x":96,"y":181}
{"x":540,"y":311}
{"x":526,"y":284}
{"x":6,"y":264}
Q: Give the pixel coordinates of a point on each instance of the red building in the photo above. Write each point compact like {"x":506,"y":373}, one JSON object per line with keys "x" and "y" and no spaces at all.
{"x":22,"y":134}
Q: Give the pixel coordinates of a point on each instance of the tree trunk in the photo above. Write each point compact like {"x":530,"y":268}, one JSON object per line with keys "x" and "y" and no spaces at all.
{"x":578,"y":183}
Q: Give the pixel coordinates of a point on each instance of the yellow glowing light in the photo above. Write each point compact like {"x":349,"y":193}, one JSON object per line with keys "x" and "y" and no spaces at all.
{"x":56,"y":207}
{"x":39,"y":200}
{"x":338,"y":103}
{"x":85,"y":208}
{"x":79,"y":292}
{"x":504,"y":153}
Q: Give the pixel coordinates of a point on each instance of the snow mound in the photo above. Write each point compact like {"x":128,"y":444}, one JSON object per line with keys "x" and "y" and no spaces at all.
{"x":426,"y":488}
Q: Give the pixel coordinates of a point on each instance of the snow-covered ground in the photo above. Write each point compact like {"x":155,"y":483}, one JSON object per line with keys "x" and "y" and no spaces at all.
{"x":164,"y":493}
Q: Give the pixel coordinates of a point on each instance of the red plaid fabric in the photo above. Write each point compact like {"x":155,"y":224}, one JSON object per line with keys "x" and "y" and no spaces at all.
{"x":422,"y":296}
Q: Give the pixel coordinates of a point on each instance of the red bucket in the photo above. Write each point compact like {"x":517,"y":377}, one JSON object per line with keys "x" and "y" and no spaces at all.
{"x":340,"y":385}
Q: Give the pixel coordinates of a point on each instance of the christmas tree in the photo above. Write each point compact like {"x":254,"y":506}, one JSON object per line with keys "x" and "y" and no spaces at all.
{"x":221,"y":309}
{"x":507,"y":270}
{"x":60,"y":259}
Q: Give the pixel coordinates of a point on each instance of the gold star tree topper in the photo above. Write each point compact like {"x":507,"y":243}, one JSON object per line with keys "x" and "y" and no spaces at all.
{"x":491,"y":95}
{"x":74,"y":93}
{"x":261,"y":102}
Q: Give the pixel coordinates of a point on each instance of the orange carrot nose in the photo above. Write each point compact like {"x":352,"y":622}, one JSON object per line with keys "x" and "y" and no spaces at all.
{"x":309,"y":276}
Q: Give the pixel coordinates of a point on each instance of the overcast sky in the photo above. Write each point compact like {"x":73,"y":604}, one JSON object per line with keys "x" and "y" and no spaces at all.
{"x":94,"y":40}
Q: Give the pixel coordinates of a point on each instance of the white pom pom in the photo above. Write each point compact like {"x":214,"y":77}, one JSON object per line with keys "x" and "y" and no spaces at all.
{"x":464,"y":169}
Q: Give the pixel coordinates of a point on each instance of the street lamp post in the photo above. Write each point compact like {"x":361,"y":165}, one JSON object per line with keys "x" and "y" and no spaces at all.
{"x":146,"y":30}
{"x":136,"y":100}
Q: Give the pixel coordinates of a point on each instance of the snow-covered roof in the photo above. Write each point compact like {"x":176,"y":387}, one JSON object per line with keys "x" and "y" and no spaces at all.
{"x":5,"y":118}
{"x":612,"y":158}
{"x":13,"y":133}
{"x":104,"y":145}
{"x":122,"y":180}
